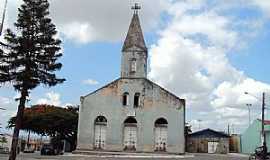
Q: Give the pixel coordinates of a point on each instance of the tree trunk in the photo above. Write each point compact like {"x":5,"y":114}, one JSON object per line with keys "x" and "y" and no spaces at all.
{"x":18,"y":124}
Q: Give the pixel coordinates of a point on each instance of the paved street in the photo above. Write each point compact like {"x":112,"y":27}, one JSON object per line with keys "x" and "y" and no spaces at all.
{"x":36,"y":156}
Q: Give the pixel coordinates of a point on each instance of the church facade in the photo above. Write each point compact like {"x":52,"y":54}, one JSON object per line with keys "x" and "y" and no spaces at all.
{"x":132,"y":113}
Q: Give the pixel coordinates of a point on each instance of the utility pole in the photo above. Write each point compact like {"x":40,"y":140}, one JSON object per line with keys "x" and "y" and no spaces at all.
{"x":229,"y":129}
{"x":199,"y":122}
{"x":263,"y":132}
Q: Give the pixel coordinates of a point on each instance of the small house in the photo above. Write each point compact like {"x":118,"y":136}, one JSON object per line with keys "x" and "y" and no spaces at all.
{"x":208,"y":141}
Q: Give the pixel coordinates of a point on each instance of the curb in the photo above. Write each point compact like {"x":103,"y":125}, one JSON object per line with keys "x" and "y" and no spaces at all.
{"x":132,"y":156}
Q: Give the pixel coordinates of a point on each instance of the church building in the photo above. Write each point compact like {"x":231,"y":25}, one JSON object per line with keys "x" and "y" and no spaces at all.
{"x":132,"y":113}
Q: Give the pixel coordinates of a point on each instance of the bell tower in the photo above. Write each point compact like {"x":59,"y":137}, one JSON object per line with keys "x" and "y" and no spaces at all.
{"x":134,"y":51}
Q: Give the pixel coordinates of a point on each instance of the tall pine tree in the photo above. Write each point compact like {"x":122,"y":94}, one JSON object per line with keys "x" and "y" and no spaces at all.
{"x":30,"y":58}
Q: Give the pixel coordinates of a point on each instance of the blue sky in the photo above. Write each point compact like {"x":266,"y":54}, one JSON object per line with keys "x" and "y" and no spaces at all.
{"x":254,"y":60}
{"x":208,"y":52}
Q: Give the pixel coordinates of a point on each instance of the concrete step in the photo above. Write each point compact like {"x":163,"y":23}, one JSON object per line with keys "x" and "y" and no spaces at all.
{"x":107,"y":154}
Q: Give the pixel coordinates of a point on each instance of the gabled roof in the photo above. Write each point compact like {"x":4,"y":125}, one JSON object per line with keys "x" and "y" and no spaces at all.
{"x":134,"y":36}
{"x":209,"y":133}
{"x":149,"y":81}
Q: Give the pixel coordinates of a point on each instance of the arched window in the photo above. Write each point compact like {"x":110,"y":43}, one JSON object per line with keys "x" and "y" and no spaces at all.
{"x":133,"y":65}
{"x":161,"y":122}
{"x":130,"y":120}
{"x":136,"y":100}
{"x":125,"y":99}
{"x":100,"y":119}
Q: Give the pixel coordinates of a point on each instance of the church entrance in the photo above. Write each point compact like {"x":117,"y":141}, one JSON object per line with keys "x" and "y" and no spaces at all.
{"x":161,"y":134}
{"x":130,"y":134}
{"x":100,"y":132}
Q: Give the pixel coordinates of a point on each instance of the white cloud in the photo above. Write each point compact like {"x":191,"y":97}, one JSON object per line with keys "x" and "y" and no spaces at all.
{"x":52,"y":98}
{"x":90,"y":82}
{"x":228,"y":112}
{"x":208,"y":24}
{"x":79,"y":32}
{"x":194,"y":50}
{"x":232,"y":94}
{"x":86,"y":21}
{"x":264,"y":5}
{"x":68,"y":104}
{"x":101,"y":20}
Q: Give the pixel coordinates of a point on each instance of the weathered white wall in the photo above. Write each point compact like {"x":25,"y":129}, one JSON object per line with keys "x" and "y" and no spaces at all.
{"x":141,"y":60}
{"x":155,"y":103}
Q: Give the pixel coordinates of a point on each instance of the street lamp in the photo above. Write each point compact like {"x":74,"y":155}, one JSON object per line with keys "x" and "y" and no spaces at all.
{"x":263,"y":132}
{"x":247,"y":93}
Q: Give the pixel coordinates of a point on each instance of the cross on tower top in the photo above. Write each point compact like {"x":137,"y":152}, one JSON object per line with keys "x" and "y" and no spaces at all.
{"x":136,"y":8}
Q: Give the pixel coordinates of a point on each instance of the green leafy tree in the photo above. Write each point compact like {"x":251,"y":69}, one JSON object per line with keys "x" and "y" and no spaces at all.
{"x":30,"y":58}
{"x":60,"y":123}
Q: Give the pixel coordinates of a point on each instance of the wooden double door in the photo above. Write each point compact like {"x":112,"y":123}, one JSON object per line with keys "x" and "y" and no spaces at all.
{"x":100,"y":136}
{"x":130,"y":137}
{"x":161,"y":134}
